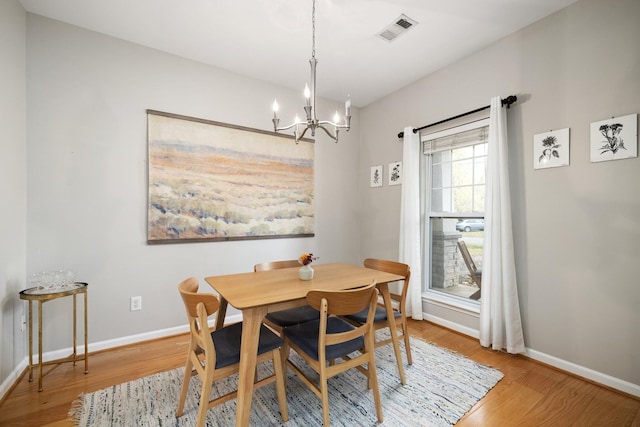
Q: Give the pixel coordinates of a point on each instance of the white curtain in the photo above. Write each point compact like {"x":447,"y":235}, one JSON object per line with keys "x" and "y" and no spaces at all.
{"x":410,"y":220}
{"x":500,"y":322}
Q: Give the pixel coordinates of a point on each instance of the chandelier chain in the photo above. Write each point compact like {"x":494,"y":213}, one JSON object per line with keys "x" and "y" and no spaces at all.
{"x":313,"y":30}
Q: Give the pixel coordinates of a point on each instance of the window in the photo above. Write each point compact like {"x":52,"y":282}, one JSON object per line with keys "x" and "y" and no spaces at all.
{"x":454,"y":170}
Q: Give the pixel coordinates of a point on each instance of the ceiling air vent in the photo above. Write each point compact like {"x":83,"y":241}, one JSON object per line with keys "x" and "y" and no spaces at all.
{"x":397,"y":27}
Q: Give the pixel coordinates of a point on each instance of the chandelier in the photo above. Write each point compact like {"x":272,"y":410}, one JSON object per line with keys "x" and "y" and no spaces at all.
{"x":300,"y":127}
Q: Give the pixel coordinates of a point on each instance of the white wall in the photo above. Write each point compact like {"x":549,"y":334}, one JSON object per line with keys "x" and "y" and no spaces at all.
{"x":87,"y":96}
{"x":13,"y":253}
{"x":576,"y":228}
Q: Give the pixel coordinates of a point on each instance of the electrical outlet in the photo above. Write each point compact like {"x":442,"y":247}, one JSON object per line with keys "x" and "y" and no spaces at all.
{"x":23,"y":323}
{"x":136,"y":303}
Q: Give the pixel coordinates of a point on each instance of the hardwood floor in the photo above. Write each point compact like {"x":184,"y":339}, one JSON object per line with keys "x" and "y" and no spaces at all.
{"x":530,"y":394}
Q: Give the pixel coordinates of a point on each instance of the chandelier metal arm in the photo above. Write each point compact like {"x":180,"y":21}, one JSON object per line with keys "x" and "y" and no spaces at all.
{"x":335,"y":138}
{"x":277,"y":129}
{"x":337,"y":126}
{"x":300,"y":136}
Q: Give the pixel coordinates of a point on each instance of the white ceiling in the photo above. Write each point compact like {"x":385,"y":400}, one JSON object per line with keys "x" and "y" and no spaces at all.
{"x":270,"y":40}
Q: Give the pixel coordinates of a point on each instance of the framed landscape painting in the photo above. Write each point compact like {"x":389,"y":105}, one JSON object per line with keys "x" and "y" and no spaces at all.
{"x":210,"y":181}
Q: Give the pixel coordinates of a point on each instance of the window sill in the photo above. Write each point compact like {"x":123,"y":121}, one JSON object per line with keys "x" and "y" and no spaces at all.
{"x":463,"y":305}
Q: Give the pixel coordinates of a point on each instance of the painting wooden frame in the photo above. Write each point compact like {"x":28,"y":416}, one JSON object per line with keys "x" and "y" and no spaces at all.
{"x":211,"y":181}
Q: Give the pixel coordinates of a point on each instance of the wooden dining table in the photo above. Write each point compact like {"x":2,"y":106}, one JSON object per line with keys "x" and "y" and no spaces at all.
{"x":258,"y":293}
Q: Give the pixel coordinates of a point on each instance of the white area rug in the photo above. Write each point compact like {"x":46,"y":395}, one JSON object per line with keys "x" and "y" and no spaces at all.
{"x":441,"y":387}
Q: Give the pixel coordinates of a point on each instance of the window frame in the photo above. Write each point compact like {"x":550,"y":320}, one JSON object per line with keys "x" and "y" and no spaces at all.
{"x":426,"y":169}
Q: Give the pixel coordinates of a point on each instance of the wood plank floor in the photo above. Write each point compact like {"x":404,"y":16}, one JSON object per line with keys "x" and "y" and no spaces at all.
{"x":530,"y":394}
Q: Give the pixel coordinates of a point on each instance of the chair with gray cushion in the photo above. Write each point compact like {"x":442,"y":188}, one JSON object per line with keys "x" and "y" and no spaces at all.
{"x":399,"y":311}
{"x":292,"y":316}
{"x":321,"y":342}
{"x":216,"y":355}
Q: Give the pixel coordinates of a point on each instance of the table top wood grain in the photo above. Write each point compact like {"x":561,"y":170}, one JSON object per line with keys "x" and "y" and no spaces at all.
{"x":247,"y":290}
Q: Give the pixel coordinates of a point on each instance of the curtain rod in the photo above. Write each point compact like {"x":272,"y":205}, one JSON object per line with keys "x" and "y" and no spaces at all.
{"x":507,"y":101}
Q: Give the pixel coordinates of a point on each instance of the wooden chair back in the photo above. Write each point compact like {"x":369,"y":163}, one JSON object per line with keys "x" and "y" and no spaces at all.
{"x":188,"y":289}
{"x":400,"y":269}
{"x":201,"y":356}
{"x":339,"y":303}
{"x":394,"y":268}
{"x":343,"y":302}
{"x":199,"y":307}
{"x":332,"y":305}
{"x":274,"y":265}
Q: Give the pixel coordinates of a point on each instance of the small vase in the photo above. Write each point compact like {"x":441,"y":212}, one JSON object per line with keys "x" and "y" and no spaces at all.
{"x":306,"y":272}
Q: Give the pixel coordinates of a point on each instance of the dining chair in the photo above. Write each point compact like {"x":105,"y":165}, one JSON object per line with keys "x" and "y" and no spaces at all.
{"x":216,"y":355}
{"x":399,"y":310}
{"x":322,"y":341}
{"x":292,"y":316}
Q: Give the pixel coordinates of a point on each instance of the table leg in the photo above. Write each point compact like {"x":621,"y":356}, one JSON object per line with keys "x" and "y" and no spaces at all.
{"x":75,"y":353}
{"x":30,"y":341}
{"x":251,"y":322}
{"x":39,"y":345}
{"x":222,"y":313}
{"x":384,"y":291}
{"x":86,"y":336}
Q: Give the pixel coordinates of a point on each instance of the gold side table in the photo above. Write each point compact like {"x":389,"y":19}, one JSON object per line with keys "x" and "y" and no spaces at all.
{"x":43,"y":295}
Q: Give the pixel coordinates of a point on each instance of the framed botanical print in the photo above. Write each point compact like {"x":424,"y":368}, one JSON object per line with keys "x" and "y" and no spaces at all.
{"x":551,"y":149}
{"x":615,"y":138}
{"x":375,"y":179}
{"x":395,"y":173}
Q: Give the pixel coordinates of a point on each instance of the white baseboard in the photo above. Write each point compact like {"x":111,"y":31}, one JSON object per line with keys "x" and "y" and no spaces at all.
{"x":578,"y":370}
{"x":131,"y":339}
{"x":581,"y":371}
{"x":451,"y":325}
{"x":13,"y":377}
